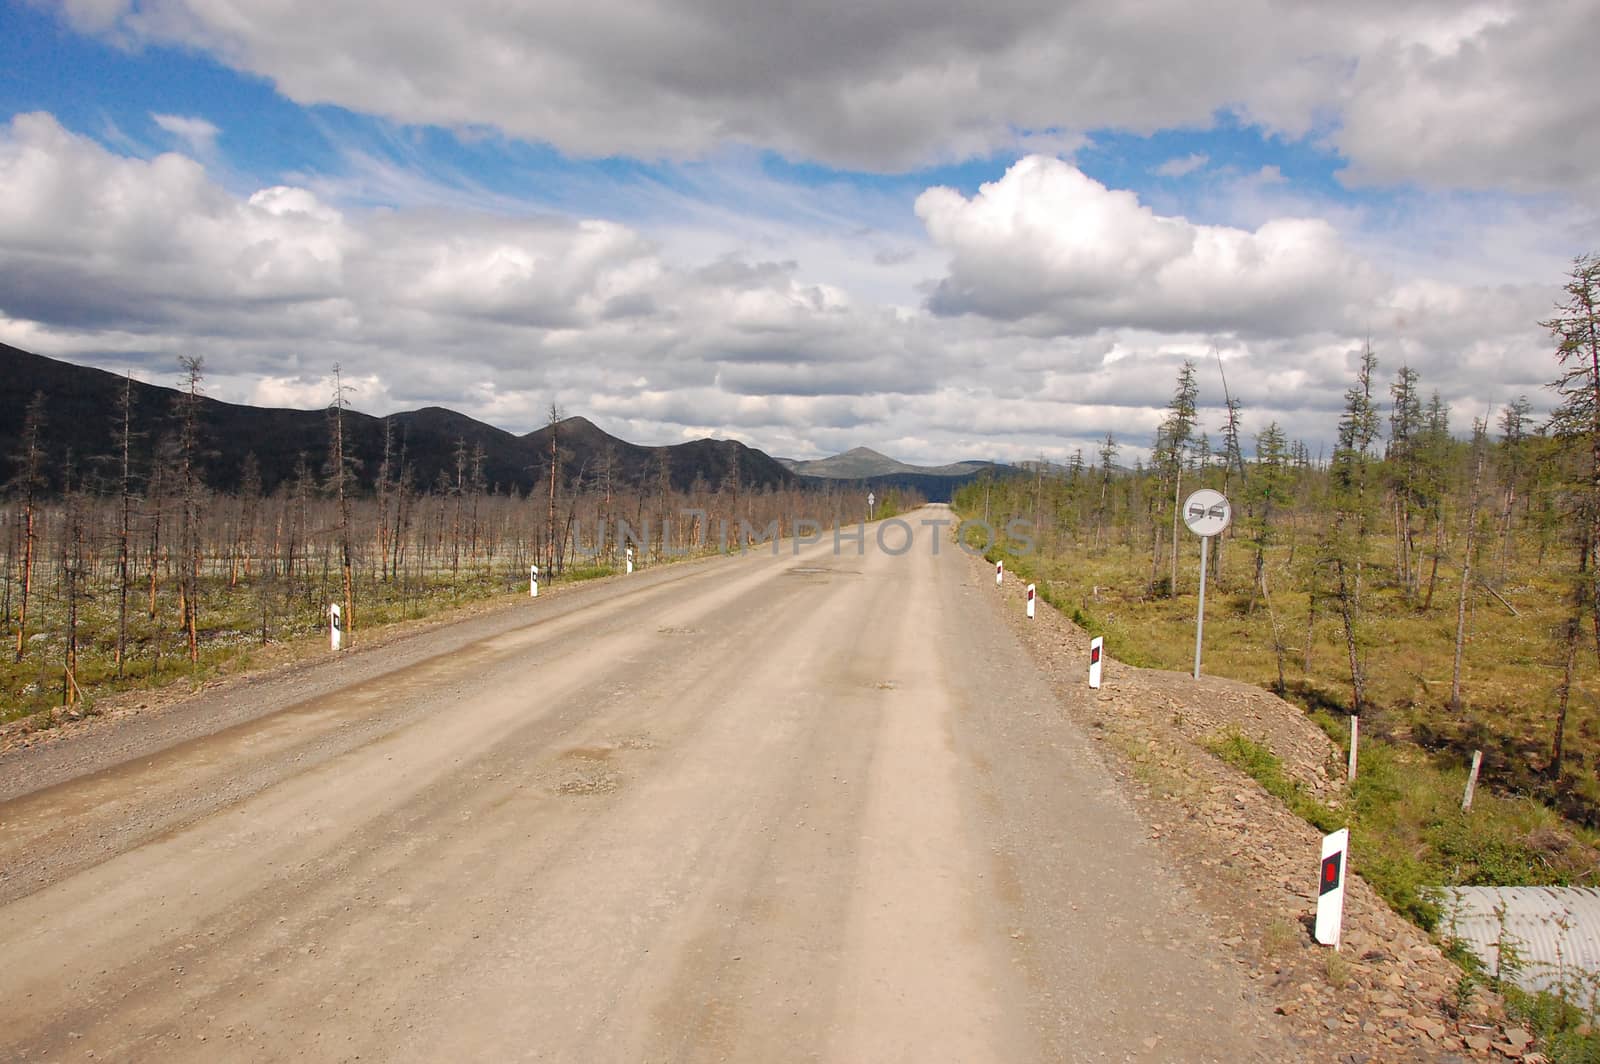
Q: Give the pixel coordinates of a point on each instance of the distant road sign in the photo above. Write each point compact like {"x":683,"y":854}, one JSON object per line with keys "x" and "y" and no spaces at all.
{"x":1207,"y":512}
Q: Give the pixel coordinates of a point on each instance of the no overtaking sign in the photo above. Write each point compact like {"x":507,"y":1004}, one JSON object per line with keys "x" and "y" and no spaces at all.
{"x":1207,"y":512}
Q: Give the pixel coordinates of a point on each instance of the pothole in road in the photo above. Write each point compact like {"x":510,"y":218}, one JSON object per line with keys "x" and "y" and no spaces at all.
{"x":586,"y":783}
{"x":803,"y":570}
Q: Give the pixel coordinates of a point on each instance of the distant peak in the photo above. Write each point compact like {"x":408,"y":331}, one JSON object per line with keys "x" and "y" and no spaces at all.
{"x":865,"y":452}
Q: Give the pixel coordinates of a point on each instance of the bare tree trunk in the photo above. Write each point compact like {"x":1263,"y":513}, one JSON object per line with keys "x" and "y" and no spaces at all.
{"x":1466,"y":573}
{"x":342,"y":488}
{"x":124,"y":526}
{"x":1311,"y":631}
{"x":1349,"y":609}
{"x":1177,"y":490}
{"x":555,"y":475}
{"x":1278,"y":647}
{"x":1438,"y":550}
{"x":31,"y":462}
{"x":189,"y":443}
{"x":1573,"y":626}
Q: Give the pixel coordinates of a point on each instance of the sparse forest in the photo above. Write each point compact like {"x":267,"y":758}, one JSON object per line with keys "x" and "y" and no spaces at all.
{"x":125,"y":569}
{"x":1438,"y":579}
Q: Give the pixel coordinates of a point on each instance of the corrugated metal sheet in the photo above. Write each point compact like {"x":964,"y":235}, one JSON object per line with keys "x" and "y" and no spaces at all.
{"x":1555,"y":932}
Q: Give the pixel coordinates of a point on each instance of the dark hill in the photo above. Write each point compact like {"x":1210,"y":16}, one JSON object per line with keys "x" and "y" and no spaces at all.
{"x":81,"y":417}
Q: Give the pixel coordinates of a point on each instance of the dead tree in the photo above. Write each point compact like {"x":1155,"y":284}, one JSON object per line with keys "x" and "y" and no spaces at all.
{"x":29,"y":481}
{"x":191,"y":487}
{"x":340,"y":477}
{"x":125,"y":517}
{"x":1478,"y":446}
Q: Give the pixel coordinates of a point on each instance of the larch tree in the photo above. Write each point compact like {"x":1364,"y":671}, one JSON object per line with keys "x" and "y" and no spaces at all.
{"x":1108,"y":458}
{"x":1176,"y":436}
{"x":1345,"y":541}
{"x":1576,"y":329}
{"x":1405,"y":430}
{"x":1576,"y":423}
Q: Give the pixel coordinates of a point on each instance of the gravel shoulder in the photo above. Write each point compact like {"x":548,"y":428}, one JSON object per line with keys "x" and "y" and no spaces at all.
{"x":1389,"y":993}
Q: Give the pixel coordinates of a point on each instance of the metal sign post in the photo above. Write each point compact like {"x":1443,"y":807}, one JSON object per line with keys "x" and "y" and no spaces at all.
{"x":1207,"y":514}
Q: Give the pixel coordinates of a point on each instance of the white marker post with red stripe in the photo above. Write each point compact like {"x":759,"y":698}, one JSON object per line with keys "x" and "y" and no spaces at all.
{"x":1097,"y":647}
{"x":999,"y":572}
{"x":1330,"y":887}
{"x":1030,"y":601}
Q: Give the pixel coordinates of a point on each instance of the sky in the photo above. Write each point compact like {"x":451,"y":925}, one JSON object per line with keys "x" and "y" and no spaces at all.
{"x":944,"y":231}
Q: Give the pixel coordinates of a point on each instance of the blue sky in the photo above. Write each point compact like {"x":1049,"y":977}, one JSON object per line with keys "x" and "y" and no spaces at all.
{"x":111,"y":93}
{"x":995,"y":238}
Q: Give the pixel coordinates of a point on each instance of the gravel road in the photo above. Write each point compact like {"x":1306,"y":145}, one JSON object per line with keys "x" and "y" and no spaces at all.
{"x":806,"y":807}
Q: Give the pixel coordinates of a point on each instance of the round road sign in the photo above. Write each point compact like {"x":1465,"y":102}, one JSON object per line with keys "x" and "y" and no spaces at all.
{"x":1207,"y":512}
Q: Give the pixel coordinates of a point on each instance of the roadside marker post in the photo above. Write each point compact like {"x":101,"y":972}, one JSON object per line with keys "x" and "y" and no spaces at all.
{"x":1330,"y":887}
{"x":1206,"y":513}
{"x":1030,"y":601}
{"x":1472,"y":781}
{"x":533,"y":581}
{"x":999,"y":572}
{"x":630,"y":559}
{"x":1355,"y":739}
{"x":1097,"y":647}
{"x":335,"y":627}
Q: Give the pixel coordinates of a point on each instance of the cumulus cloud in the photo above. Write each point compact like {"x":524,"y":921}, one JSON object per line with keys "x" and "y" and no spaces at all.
{"x":1052,"y":249}
{"x":1065,"y":311}
{"x":1433,"y":91}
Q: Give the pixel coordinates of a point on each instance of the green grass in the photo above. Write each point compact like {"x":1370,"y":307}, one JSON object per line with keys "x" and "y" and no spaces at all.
{"x":1261,"y":764}
{"x":590,"y":572}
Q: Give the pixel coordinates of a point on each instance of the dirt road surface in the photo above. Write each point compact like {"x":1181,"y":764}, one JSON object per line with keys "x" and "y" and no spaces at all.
{"x":806,"y":807}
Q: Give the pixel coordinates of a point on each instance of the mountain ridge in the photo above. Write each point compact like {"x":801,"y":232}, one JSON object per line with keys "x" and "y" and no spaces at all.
{"x":863,"y":463}
{"x":80,"y":418}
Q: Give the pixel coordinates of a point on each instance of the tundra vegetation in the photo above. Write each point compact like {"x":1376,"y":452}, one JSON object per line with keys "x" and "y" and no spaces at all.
{"x":126,"y":570}
{"x":1440,"y":581}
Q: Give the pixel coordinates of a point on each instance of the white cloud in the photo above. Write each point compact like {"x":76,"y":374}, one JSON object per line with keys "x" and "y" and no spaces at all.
{"x":1183,"y":164}
{"x":1064,"y":313}
{"x":1053,"y":250}
{"x":197,"y":134}
{"x":1470,"y":95}
{"x":1502,"y":99}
